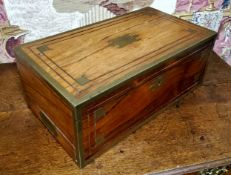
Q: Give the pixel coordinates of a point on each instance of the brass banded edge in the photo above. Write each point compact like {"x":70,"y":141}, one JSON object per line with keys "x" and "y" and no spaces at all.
{"x":76,"y":104}
{"x":79,"y":136}
{"x":74,"y":119}
{"x":151,"y":117}
{"x":71,"y":99}
{"x":61,"y":91}
{"x":100,"y":92}
{"x":110,"y":87}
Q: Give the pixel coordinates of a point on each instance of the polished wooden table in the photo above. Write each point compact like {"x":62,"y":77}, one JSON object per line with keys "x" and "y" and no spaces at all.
{"x":183,"y":139}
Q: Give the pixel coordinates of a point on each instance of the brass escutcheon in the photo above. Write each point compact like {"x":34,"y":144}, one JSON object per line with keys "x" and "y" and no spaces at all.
{"x":156,"y":83}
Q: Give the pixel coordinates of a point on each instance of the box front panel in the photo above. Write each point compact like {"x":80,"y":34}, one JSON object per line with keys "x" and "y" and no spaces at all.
{"x":108,"y":118}
{"x":49,"y":107}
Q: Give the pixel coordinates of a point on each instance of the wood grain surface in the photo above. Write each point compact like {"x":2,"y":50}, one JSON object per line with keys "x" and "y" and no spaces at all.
{"x":101,"y":54}
{"x":95,"y":61}
{"x":191,"y":137}
{"x":128,"y":108}
{"x":44,"y":102}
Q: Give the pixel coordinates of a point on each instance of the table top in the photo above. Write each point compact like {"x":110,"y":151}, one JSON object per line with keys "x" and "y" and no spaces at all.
{"x":179,"y":140}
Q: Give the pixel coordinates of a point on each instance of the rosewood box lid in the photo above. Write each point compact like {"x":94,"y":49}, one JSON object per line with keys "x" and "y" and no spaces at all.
{"x":85,"y":62}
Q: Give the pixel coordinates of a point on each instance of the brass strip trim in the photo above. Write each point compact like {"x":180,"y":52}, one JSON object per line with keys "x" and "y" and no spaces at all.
{"x":100,"y":91}
{"x":48,"y":123}
{"x":79,"y":137}
{"x":106,"y":89}
{"x":77,"y":160}
{"x":52,"y":128}
{"x":138,"y":125}
{"x":78,"y":103}
{"x":134,"y":74}
{"x":71,"y":99}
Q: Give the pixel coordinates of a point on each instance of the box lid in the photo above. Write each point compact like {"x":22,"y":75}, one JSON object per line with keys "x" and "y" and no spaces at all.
{"x":85,"y":62}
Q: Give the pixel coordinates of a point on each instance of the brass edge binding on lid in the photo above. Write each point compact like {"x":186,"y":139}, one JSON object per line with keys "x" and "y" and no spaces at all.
{"x":132,"y":75}
{"x":71,"y":99}
{"x":58,"y":88}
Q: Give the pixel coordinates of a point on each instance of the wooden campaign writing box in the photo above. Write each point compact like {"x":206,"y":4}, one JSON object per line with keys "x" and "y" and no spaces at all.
{"x":93,"y":85}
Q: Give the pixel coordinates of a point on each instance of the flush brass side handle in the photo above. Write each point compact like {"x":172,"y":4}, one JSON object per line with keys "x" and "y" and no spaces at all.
{"x":48,"y":124}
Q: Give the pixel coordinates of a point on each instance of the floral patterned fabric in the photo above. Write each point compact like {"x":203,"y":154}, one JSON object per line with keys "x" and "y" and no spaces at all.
{"x":119,"y":7}
{"x":184,"y":5}
{"x":223,"y":42}
{"x":3,"y":17}
{"x":3,"y":22}
{"x":209,"y":20}
{"x":7,"y":43}
{"x":7,"y":49}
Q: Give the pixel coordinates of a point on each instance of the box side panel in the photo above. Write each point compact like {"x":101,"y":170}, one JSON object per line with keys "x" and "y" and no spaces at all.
{"x":49,"y":107}
{"x":109,"y":118}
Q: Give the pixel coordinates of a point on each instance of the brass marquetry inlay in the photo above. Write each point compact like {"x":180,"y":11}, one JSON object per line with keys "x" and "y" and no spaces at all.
{"x":124,"y":40}
{"x":157,"y":82}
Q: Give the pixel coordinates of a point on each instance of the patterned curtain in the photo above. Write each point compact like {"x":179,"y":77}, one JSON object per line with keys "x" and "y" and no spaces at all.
{"x":10,"y":36}
{"x":116,"y":7}
{"x":3,"y":17}
{"x":3,"y":22}
{"x":223,"y":43}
